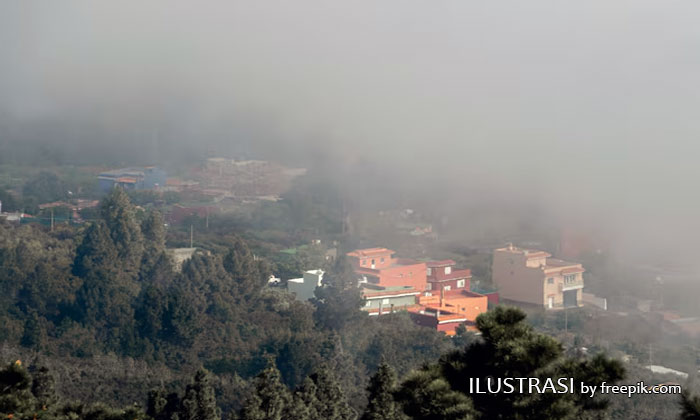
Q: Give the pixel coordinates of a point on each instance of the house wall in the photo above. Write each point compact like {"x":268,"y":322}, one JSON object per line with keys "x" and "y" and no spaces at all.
{"x":400,"y":301}
{"x":424,"y":320}
{"x":404,"y":275}
{"x":471,"y":306}
{"x":515,"y":281}
{"x":436,"y":287}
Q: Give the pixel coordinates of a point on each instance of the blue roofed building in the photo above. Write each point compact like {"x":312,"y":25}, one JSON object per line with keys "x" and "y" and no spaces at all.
{"x":146,"y":178}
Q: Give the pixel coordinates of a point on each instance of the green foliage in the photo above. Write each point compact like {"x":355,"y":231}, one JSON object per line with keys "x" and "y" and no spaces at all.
{"x":10,"y":203}
{"x":44,"y":188}
{"x":199,"y":402}
{"x":382,"y":405}
{"x":271,"y":400}
{"x":120,"y":219}
{"x":510,"y":348}
{"x":426,"y":395}
{"x":690,"y":406}
{"x":330,"y":402}
{"x":339,"y":300}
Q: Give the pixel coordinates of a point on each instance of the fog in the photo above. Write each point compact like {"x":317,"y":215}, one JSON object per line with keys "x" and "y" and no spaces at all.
{"x":584,"y":111}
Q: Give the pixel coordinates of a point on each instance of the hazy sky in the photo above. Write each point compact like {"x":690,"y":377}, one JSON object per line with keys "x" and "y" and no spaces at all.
{"x":589,"y":108}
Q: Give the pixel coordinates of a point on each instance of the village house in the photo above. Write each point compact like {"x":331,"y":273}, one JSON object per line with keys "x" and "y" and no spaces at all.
{"x":442,"y":275}
{"x":378,"y":266}
{"x":304,"y":288}
{"x":532,"y":277}
{"x":435,"y":294}
{"x":132,"y":178}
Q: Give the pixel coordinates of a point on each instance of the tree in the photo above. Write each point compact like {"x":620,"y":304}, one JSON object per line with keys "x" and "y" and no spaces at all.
{"x":510,"y":348}
{"x":690,"y":407}
{"x":153,"y":230}
{"x":105,"y":297}
{"x":426,"y":395}
{"x":16,"y":399}
{"x":43,"y":386}
{"x":271,"y":400}
{"x":245,"y":271}
{"x":339,"y":300}
{"x":45,"y":187}
{"x":199,"y":402}
{"x":382,"y":405}
{"x":331,"y":403}
{"x":125,"y":231}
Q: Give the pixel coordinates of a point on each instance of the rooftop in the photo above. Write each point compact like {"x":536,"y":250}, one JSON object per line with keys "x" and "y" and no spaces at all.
{"x":441,"y":263}
{"x":369,"y":252}
{"x":530,"y":253}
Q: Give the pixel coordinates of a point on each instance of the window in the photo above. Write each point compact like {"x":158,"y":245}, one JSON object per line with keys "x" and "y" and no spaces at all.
{"x":430,"y":271}
{"x":550,"y":280}
{"x":385,"y":301}
{"x":429,"y":286}
{"x":447,"y":288}
{"x":363,"y":262}
{"x":381,"y":259}
{"x":460,"y":284}
{"x":368,"y":303}
{"x":571,"y":278}
{"x":448,"y":270}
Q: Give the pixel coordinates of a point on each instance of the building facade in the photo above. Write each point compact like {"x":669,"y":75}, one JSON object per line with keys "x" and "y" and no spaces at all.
{"x":532,"y":277}
{"x":305,"y":287}
{"x":378,"y":266}
{"x":442,"y":276}
{"x":132,"y":179}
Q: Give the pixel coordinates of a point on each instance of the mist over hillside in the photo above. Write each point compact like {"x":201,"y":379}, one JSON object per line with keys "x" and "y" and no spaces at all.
{"x":584,"y":111}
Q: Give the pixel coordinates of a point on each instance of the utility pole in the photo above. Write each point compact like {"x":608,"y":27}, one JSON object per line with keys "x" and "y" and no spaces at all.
{"x":51,"y":219}
{"x":191,"y":236}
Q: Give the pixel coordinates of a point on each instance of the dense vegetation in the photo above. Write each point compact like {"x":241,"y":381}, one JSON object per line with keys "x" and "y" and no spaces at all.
{"x":105,"y":320}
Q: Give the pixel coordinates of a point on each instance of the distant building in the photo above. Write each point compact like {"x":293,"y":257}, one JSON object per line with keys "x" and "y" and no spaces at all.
{"x":532,"y":277}
{"x":181,"y":255}
{"x":442,"y":276}
{"x":380,"y":300}
{"x":132,"y":178}
{"x":305,"y":287}
{"x":378,"y":266}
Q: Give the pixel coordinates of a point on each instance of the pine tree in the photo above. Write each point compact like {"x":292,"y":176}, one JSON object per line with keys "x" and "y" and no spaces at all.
{"x":245,"y":271}
{"x":125,"y":231}
{"x":425,"y":395}
{"x":339,"y":300}
{"x":271,"y":399}
{"x":199,"y":402}
{"x":156,"y":403}
{"x":43,"y":386}
{"x":104,"y":299}
{"x":690,"y":407}
{"x":382,"y":405}
{"x":16,"y":398}
{"x":153,"y":230}
{"x":509,"y":348}
{"x":331,"y":403}
{"x":31,"y":337}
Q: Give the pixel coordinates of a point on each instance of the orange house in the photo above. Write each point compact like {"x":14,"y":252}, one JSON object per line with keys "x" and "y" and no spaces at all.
{"x":379,"y":266}
{"x":451,"y":309}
